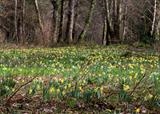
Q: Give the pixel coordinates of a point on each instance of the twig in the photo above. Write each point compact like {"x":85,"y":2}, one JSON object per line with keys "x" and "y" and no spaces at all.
{"x":135,"y":87}
{"x":18,"y":89}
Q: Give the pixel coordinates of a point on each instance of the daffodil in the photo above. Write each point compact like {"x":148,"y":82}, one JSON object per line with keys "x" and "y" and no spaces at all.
{"x":138,"y":110}
{"x":126,"y":87}
{"x":80,"y":88}
{"x":38,"y":87}
{"x":30,"y":91}
{"x":52,"y":90}
{"x":63,"y":93}
{"x":58,"y":90}
{"x":61,"y":80}
{"x":150,"y":96}
{"x":69,"y":85}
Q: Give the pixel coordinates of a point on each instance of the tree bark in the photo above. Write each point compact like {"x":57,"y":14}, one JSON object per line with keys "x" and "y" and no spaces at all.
{"x":88,"y":21}
{"x":105,"y":38}
{"x":104,"y":31}
{"x":60,"y":37}
{"x":124,"y":23}
{"x":70,"y":23}
{"x":116,"y":14}
{"x":154,"y":17}
{"x":15,"y":20}
{"x":23,"y":22}
{"x":39,"y":19}
{"x":56,"y":21}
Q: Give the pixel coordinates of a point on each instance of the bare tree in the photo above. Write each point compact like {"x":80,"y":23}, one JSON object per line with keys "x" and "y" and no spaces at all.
{"x":121,"y":21}
{"x":88,"y":20}
{"x":21,"y":22}
{"x":154,"y":17}
{"x":56,"y":20}
{"x":70,"y":23}
{"x":60,"y":37}
{"x":39,"y":19}
{"x":15,"y":20}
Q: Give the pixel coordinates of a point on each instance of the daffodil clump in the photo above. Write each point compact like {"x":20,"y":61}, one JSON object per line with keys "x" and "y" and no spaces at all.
{"x":85,"y":73}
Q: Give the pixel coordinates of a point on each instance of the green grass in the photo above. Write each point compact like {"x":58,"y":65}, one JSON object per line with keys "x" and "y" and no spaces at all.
{"x":112,"y":74}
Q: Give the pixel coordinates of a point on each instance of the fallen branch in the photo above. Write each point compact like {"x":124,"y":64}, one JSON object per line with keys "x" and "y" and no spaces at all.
{"x":17,"y":90}
{"x":135,"y":87}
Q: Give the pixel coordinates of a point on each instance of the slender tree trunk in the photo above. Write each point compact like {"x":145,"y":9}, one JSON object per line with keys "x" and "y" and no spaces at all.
{"x":109,"y":20}
{"x":116,"y":28}
{"x":154,"y":17}
{"x":39,"y":19}
{"x":55,"y":38}
{"x":88,"y":21}
{"x":104,"y":31}
{"x":56,"y":21}
{"x":104,"y":35}
{"x":75,"y":19}
{"x":15,"y":20}
{"x":60,"y":37}
{"x":124,"y":23}
{"x":70,"y":23}
{"x":108,"y":13}
{"x":23,"y":22}
{"x":121,"y":19}
{"x":117,"y":23}
{"x":113,"y":19}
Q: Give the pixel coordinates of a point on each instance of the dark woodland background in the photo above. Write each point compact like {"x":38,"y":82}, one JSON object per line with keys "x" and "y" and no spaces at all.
{"x":52,"y":22}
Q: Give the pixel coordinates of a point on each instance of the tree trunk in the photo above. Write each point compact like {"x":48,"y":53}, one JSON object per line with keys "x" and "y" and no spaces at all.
{"x":39,"y":19}
{"x":56,"y":21}
{"x":113,"y":19}
{"x":110,"y":26}
{"x":70,"y":23}
{"x":117,"y":23}
{"x":124,"y":24}
{"x":154,"y":17}
{"x":15,"y":20}
{"x":88,"y":21}
{"x":75,"y":20}
{"x":23,"y":23}
{"x":60,"y":37}
{"x":104,"y":42}
{"x":116,"y":14}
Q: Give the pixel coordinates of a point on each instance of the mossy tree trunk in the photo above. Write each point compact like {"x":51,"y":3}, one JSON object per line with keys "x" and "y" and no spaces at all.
{"x":88,"y":21}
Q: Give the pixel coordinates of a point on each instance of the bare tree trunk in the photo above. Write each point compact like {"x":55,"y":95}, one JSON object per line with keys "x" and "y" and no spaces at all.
{"x":56,"y":20}
{"x":154,"y":17}
{"x":124,"y":29}
{"x":15,"y":20}
{"x":116,"y":8}
{"x":39,"y":19}
{"x":87,"y":23}
{"x":75,"y":20}
{"x":23,"y":23}
{"x":60,"y":39}
{"x":108,"y":14}
{"x":113,"y":15}
{"x":70,"y":23}
{"x":109,"y":20}
{"x":104,"y":31}
{"x":105,"y":38}
{"x":56,"y":27}
{"x":117,"y":25}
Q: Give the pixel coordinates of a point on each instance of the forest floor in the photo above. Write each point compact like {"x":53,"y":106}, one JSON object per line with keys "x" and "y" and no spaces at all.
{"x":80,"y":79}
